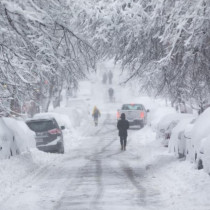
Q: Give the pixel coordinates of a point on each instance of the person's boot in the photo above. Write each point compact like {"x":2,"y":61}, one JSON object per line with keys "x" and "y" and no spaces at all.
{"x":121,"y":147}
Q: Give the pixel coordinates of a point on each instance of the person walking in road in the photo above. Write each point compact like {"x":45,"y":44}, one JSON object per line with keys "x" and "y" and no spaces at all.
{"x":123,"y":126}
{"x":96,"y":114}
{"x":111,"y":94}
{"x":104,"y":78}
{"x":110,"y":75}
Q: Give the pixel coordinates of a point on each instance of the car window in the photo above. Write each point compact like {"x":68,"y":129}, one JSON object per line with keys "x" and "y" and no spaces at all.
{"x":42,"y":125}
{"x":132,"y":107}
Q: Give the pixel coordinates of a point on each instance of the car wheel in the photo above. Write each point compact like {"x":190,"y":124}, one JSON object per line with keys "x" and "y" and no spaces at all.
{"x":61,"y":149}
{"x":141,"y":125}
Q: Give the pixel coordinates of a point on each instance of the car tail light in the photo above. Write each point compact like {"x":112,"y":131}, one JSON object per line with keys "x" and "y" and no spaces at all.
{"x":141,"y":115}
{"x":118,"y":115}
{"x":54,"y":131}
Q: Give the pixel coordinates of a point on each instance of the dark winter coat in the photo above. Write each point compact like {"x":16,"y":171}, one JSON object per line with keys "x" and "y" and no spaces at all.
{"x":123,"y":126}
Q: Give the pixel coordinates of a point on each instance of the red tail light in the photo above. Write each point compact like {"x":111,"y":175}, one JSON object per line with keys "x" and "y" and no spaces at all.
{"x":142,"y":115}
{"x":118,"y":115}
{"x":54,"y":131}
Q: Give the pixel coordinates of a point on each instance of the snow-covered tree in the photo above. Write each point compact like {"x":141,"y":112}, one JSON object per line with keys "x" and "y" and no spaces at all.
{"x":41,"y":49}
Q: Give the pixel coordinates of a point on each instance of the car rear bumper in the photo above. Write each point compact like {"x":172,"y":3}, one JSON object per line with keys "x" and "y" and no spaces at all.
{"x":50,"y":148}
{"x":136,"y":122}
{"x":53,"y":146}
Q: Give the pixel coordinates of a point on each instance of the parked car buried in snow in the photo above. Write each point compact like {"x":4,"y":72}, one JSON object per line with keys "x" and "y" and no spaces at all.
{"x":136,"y":114}
{"x":178,"y":141}
{"x":49,"y":136}
{"x":198,"y":148}
{"x":166,"y":125}
{"x":15,"y":137}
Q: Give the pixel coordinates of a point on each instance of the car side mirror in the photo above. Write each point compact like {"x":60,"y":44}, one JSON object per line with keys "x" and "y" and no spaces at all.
{"x":62,"y":127}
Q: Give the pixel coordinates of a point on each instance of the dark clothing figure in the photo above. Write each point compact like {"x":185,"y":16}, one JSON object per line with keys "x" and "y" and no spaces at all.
{"x":111,"y":94}
{"x":96,"y":114}
{"x":123,"y":142}
{"x":123,"y":126}
{"x":104,"y":78}
{"x":110,"y":75}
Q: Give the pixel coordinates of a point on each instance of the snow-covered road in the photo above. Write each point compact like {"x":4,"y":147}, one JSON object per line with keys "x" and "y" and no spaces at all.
{"x":98,"y":175}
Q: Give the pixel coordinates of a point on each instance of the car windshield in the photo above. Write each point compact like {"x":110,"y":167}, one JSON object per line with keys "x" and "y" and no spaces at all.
{"x":42,"y":125}
{"x":132,"y":107}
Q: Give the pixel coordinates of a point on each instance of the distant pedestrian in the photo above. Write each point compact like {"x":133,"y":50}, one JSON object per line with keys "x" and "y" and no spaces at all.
{"x":111,"y":94}
{"x":110,"y":75}
{"x":123,"y":126}
{"x":104,"y":78}
{"x":96,"y":114}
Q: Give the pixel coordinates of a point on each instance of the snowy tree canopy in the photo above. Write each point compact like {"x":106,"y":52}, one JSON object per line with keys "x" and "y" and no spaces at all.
{"x":41,"y":47}
{"x":163,"y":44}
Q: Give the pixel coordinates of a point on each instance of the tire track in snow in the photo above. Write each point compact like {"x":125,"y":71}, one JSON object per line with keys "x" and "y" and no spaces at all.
{"x":132,"y":177}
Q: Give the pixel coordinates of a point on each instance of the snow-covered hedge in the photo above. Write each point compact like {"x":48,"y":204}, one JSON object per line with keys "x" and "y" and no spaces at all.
{"x":15,"y":137}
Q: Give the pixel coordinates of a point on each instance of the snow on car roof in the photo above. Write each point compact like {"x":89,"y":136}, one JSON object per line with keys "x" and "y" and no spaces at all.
{"x":182,"y":124}
{"x":43,"y":116}
{"x":167,"y":119}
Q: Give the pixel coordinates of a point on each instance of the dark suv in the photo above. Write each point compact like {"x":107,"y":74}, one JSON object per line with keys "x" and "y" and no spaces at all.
{"x":49,"y":137}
